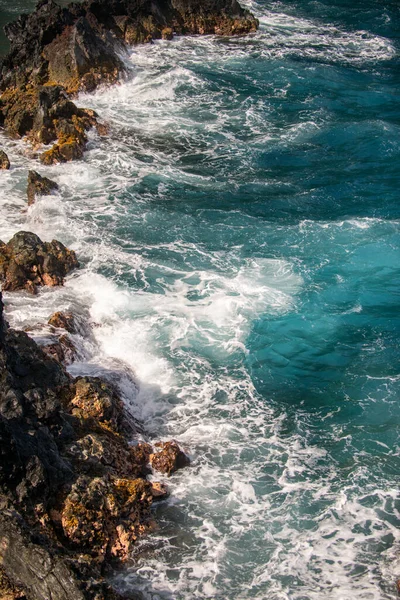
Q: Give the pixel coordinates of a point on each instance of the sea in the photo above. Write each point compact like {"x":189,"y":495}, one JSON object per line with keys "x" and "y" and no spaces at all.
{"x":239,"y":238}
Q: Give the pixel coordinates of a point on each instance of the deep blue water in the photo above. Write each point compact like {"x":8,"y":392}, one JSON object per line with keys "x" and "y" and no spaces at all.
{"x":240,"y":234}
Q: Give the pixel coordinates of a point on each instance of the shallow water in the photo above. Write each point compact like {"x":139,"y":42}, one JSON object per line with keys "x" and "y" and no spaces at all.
{"x":239,"y":232}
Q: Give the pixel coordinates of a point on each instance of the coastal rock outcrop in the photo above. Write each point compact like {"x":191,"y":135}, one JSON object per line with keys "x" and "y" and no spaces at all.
{"x":56,"y":52}
{"x":39,"y":186}
{"x":26,"y":262}
{"x":168,"y":457}
{"x":74,"y":496}
{"x":4,"y":161}
{"x":64,"y":320}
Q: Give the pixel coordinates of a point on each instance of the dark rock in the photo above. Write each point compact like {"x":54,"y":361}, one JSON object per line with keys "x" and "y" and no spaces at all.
{"x":32,"y":566}
{"x":39,"y":186}
{"x":168,"y":458}
{"x":9,"y":591}
{"x":26,"y":262}
{"x":4,"y":161}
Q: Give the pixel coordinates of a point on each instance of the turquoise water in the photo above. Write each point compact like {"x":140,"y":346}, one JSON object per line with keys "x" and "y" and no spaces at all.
{"x":240,"y":234}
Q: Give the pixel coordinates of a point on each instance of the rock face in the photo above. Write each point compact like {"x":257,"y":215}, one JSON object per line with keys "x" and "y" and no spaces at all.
{"x":55,"y":52}
{"x":4,"y":161}
{"x":26,"y":262}
{"x":73,"y":492}
{"x":39,"y":186}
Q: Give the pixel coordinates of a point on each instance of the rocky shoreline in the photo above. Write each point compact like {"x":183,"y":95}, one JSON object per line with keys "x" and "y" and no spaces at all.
{"x":74,"y":488}
{"x":57,"y":52}
{"x":74,"y":492}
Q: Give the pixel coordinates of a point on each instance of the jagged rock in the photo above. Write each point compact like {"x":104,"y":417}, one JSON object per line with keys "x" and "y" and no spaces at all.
{"x":33,"y":567}
{"x":62,"y":350}
{"x":93,"y":398}
{"x":26,"y":262}
{"x":80,"y":50}
{"x":4,"y":161}
{"x":168,"y":458}
{"x":39,"y":186}
{"x":64,"y":320}
{"x":104,"y":451}
{"x":9,"y":591}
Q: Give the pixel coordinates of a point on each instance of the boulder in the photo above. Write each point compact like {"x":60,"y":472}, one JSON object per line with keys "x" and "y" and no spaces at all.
{"x":26,"y":262}
{"x":4,"y":161}
{"x":168,"y":457}
{"x":39,"y":186}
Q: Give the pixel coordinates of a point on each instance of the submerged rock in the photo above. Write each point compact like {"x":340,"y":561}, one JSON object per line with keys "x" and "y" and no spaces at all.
{"x":26,"y":262}
{"x":39,"y":186}
{"x":4,"y":161}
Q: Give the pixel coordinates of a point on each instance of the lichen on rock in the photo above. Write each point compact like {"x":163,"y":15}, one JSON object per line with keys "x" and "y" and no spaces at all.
{"x":74,"y":493}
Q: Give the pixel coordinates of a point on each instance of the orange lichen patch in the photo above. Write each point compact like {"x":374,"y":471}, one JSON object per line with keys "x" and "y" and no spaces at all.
{"x":95,"y":399}
{"x":107,"y":515}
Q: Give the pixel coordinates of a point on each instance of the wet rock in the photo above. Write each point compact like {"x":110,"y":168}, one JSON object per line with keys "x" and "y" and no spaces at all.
{"x":64,"y":320}
{"x":104,"y":451}
{"x":32,"y":566}
{"x":168,"y":458}
{"x":73,"y":493}
{"x":167,"y":33}
{"x":4,"y":161}
{"x":62,"y":350}
{"x":26,"y":262}
{"x":39,"y":186}
{"x":159,"y":490}
{"x":9,"y":591}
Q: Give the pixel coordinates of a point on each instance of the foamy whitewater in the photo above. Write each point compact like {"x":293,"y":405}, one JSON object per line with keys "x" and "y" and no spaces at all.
{"x":239,"y":236}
